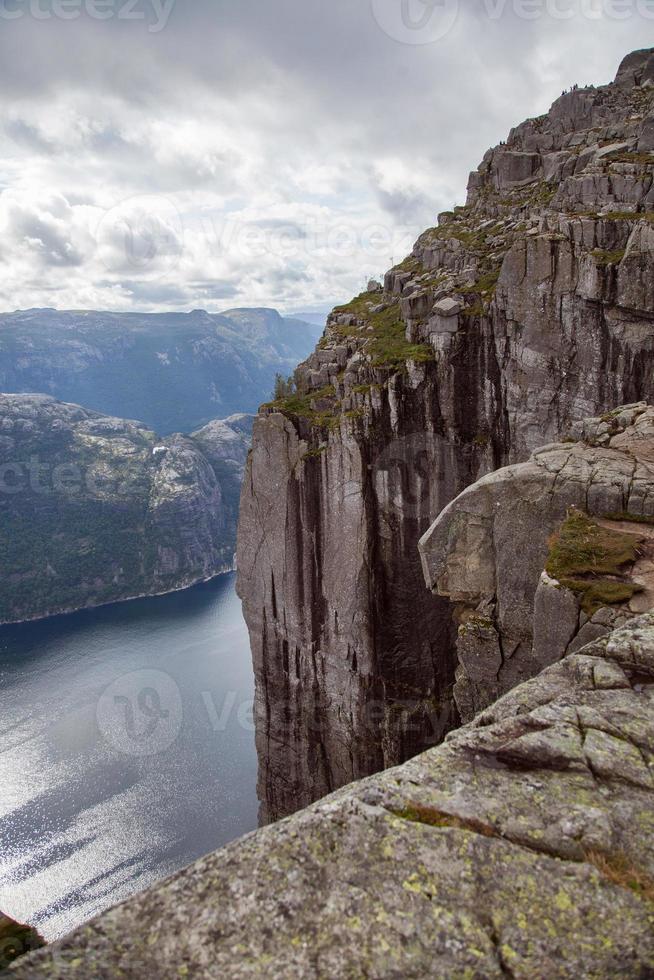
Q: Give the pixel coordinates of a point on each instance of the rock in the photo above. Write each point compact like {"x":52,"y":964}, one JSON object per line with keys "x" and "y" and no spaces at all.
{"x":636,"y":68}
{"x":551,"y":261}
{"x":523,"y":847}
{"x":447,"y":307}
{"x":16,"y":940}
{"x":488,"y":549}
{"x":646,"y":141}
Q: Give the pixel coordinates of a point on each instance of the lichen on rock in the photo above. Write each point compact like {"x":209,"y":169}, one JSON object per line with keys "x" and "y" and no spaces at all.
{"x":523,"y":847}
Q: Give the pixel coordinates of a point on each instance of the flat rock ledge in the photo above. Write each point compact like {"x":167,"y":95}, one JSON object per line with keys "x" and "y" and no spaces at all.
{"x":522,"y":847}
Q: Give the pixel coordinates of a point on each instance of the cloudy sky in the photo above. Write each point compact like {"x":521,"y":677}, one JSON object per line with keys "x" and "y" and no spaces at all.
{"x":180,"y":154}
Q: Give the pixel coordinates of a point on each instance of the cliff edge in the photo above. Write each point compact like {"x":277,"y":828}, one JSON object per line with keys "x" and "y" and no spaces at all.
{"x":540,"y":558}
{"x":515,"y":317}
{"x":522,"y":847}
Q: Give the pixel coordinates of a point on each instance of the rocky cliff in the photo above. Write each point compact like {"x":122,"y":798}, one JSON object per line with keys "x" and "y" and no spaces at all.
{"x":523,"y":847}
{"x":543,"y":557}
{"x":518,"y":315}
{"x":95,"y":509}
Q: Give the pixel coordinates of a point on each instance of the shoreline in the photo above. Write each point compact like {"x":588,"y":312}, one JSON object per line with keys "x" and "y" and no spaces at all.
{"x":71,"y":610}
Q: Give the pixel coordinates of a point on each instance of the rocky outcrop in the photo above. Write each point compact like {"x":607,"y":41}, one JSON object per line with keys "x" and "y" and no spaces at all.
{"x":520,"y":314}
{"x":543,"y":557}
{"x":96,"y":509}
{"x":522,"y":847}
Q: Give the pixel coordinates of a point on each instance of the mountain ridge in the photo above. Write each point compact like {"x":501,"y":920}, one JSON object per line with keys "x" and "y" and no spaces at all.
{"x":96,"y":509}
{"x":172,"y":371}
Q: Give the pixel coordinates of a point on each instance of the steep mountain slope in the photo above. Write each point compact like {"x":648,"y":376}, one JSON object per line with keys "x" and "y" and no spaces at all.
{"x":521,"y":313}
{"x":95,"y":509}
{"x":172,"y":371}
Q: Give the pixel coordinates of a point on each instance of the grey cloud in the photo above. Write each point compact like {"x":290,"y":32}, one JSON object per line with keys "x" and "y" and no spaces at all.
{"x":46,"y":241}
{"x":23,"y":133}
{"x":214,"y":289}
{"x":305,"y":85}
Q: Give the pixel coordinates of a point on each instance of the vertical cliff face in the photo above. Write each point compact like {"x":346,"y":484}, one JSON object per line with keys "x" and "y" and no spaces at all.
{"x":521,"y":313}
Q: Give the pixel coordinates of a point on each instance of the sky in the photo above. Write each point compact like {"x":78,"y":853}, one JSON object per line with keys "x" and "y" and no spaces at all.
{"x":204,"y":154}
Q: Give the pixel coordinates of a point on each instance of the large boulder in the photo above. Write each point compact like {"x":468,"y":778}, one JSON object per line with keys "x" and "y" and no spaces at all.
{"x":523,"y":598}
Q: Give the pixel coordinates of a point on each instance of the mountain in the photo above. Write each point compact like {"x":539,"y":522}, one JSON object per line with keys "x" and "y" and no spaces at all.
{"x":518,"y":315}
{"x":94,"y":509}
{"x":522,"y":846}
{"x":172,"y":371}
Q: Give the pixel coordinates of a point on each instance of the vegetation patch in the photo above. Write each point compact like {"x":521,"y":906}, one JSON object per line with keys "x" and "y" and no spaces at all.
{"x":620,"y":156}
{"x":605,"y":259}
{"x":409,"y":264}
{"x":319,"y":407}
{"x":591,"y":560}
{"x":432,"y":817}
{"x":619,"y":870}
{"x":386,"y":342}
{"x":16,"y":940}
{"x":624,"y":515}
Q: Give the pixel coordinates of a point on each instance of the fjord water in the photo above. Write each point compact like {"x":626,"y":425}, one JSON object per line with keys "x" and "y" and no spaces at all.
{"x":126,"y":750}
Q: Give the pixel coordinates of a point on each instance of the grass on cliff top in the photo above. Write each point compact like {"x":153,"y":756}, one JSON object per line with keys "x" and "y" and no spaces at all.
{"x":387,"y":342}
{"x":308,"y":406}
{"x":620,"y":871}
{"x":606,"y":259}
{"x":591,"y":560}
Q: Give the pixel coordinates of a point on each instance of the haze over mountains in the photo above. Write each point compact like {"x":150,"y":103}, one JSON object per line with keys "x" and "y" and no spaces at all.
{"x":172,"y":371}
{"x":94,"y":508}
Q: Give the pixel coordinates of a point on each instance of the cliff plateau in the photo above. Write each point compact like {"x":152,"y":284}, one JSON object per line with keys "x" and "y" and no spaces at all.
{"x":517,"y":316}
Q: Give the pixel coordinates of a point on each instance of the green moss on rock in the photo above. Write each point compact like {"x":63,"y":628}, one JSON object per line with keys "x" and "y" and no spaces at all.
{"x":591,"y":560}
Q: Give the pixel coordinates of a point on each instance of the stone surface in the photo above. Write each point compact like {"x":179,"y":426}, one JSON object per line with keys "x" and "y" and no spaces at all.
{"x":551,"y":262}
{"x":522,"y":847}
{"x":95,"y":509}
{"x":487,"y":551}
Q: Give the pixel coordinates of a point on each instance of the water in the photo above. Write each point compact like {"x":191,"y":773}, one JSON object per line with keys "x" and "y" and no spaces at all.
{"x":126,"y":750}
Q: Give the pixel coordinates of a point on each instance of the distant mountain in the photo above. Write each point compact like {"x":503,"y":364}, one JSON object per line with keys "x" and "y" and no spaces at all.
{"x":172,"y":371}
{"x":94,"y":509}
{"x":317,"y":319}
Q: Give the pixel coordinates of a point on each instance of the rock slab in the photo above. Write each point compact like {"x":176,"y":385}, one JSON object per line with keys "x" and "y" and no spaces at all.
{"x":523,"y":847}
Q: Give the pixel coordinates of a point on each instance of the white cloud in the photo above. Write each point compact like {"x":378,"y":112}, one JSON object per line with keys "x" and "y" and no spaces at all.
{"x":281,"y":152}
